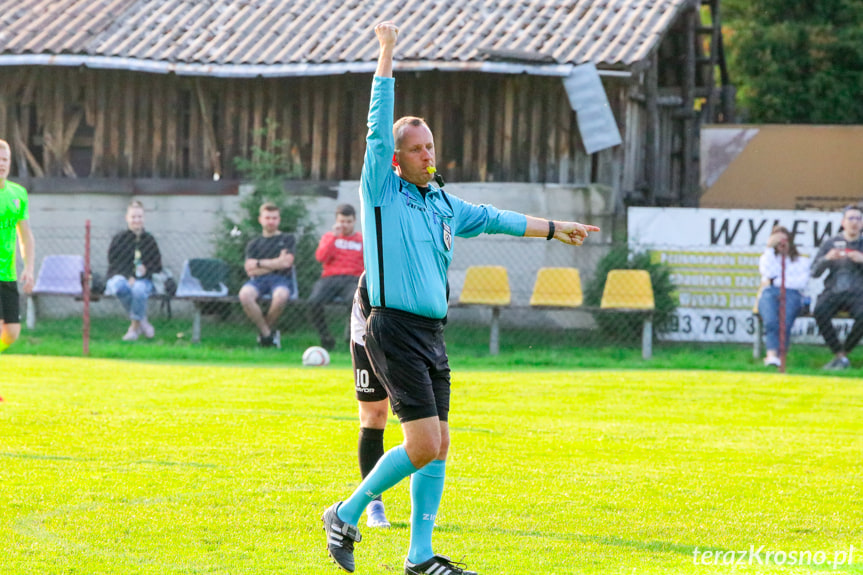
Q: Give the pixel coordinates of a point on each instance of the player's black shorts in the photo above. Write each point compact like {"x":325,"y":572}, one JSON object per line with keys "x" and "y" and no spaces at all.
{"x":368,"y":386}
{"x":409,"y":356}
{"x":10,"y":302}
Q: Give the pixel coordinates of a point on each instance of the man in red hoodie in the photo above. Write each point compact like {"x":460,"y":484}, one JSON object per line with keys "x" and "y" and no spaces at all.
{"x":341,"y":255}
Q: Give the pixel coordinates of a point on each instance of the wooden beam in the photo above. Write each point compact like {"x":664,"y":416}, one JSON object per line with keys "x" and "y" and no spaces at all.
{"x":333,"y":92}
{"x":28,"y":94}
{"x":358,"y":131}
{"x":257,"y":113}
{"x":438,"y":112}
{"x":52,"y":157}
{"x":564,"y":138}
{"x":129,"y":92}
{"x":157,"y":145}
{"x":307,"y":95}
{"x":549,"y":104}
{"x":521,"y":144}
{"x":689,"y":169}
{"x":483,"y":129}
{"x":144,"y":127}
{"x":285,"y":112}
{"x":100,"y":103}
{"x":228,"y":122}
{"x":244,"y":113}
{"x":90,"y":83}
{"x":468,"y":160}
{"x":209,"y":130}
{"x":192,"y":139}
{"x":24,"y":152}
{"x":318,"y":135}
{"x":68,"y":136}
{"x":173,"y":114}
{"x":651,"y":133}
{"x":4,"y":112}
{"x":112,"y":157}
{"x":271,"y":114}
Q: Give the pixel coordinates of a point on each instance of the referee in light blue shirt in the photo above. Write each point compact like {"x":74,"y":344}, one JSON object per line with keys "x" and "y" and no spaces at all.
{"x":408,"y":228}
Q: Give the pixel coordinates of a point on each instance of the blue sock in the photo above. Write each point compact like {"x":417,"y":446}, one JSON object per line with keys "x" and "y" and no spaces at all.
{"x":394,"y":466}
{"x":426,"y":493}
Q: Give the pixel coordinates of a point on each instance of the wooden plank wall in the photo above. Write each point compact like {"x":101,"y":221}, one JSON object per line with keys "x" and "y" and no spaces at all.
{"x":487,"y":127}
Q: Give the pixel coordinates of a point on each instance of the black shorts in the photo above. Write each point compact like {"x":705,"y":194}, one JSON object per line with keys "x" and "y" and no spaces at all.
{"x":408,"y":354}
{"x":368,"y":386}
{"x":10,"y":302}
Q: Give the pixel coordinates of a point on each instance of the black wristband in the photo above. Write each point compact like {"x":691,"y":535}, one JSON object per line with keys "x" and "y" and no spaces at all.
{"x":550,"y":230}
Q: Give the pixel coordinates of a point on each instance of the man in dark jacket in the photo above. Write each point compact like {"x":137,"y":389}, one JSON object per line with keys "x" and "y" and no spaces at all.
{"x":133,"y":258}
{"x":842,"y":256}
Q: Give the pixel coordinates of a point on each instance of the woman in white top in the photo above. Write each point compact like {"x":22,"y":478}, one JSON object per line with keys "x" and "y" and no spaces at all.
{"x":780,"y":245}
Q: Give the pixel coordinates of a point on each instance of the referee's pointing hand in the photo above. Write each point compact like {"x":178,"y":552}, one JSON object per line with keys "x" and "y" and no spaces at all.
{"x":573,"y":233}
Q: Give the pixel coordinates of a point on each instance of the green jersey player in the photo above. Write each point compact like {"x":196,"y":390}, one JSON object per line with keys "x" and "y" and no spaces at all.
{"x":14,"y":224}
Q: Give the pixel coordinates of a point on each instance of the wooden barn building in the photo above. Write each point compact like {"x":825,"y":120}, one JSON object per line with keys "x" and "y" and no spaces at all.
{"x":162,"y":95}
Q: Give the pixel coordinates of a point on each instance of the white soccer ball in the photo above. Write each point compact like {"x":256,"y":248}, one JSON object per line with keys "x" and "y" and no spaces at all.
{"x":316,"y":356}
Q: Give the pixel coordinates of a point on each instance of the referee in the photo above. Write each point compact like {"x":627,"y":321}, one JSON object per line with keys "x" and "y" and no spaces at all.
{"x":408,"y":226}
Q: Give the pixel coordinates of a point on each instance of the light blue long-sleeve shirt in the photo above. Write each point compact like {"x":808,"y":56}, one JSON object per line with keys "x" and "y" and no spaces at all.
{"x":412,"y":234}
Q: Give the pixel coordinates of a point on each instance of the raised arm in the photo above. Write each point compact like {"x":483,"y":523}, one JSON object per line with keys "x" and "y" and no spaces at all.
{"x":387,"y":34}
{"x":377,"y":163}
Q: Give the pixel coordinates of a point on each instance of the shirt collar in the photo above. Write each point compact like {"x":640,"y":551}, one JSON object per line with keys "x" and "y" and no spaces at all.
{"x":415,"y":191}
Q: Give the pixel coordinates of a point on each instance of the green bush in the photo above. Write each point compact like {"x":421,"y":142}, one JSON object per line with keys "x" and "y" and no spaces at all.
{"x":625,"y":326}
{"x":267,"y":170}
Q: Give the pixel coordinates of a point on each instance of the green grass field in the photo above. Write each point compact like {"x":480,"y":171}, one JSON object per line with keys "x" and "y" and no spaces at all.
{"x":114,"y":466}
{"x":233,"y":343}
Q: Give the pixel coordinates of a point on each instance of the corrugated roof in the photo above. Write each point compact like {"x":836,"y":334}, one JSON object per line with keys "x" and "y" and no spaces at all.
{"x":304,"y":35}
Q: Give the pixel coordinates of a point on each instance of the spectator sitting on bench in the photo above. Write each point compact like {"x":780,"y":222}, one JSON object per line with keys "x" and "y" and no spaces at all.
{"x":843,"y":288}
{"x":269,"y":260}
{"x":340,"y":252}
{"x":133,"y":258}
{"x":779,"y":244}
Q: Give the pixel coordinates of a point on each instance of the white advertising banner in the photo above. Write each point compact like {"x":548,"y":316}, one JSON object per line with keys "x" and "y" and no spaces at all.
{"x":713,"y":255}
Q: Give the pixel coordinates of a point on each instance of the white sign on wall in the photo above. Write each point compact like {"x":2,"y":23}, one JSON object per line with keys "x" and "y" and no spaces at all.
{"x":713,"y":255}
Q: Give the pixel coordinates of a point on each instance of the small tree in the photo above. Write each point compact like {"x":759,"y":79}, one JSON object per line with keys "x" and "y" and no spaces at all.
{"x":623,"y":326}
{"x":267,"y":170}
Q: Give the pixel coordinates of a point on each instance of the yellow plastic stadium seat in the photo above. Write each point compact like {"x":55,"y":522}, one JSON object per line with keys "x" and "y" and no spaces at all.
{"x":628,"y":289}
{"x":486,"y":285}
{"x":559,"y":287}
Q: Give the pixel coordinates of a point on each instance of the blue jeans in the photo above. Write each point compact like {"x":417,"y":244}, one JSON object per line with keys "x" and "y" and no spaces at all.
{"x":768,"y":308}
{"x":134,"y":299}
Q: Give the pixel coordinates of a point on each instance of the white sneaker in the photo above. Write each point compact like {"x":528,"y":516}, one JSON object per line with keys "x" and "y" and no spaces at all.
{"x":375,"y":515}
{"x":147,"y":329}
{"x":131,"y":334}
{"x":774,"y":361}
